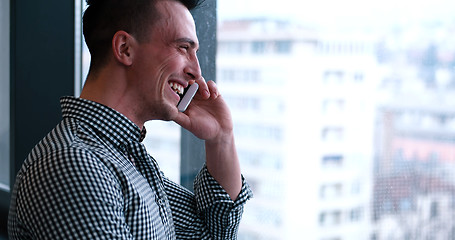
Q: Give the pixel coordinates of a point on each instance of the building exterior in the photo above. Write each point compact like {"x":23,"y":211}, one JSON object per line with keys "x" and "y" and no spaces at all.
{"x":415,"y":147}
{"x":303,"y":107}
{"x":339,"y":137}
{"x":414,"y":184}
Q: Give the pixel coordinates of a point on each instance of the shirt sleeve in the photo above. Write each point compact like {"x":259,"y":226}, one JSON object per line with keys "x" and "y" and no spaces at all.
{"x":60,"y":197}
{"x":209,"y":213}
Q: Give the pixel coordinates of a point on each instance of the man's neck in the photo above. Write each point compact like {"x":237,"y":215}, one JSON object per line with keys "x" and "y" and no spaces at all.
{"x":108,"y":87}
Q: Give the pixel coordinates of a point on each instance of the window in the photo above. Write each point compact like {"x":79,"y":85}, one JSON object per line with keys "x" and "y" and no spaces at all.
{"x":333,"y":107}
{"x":239,"y":75}
{"x":355,"y":214}
{"x":333,"y":77}
{"x":258,"y":47}
{"x":358,"y":77}
{"x":332,"y":160}
{"x":434,"y":210}
{"x":231,"y":47}
{"x":332,"y":134}
{"x":365,"y":130}
{"x":331,"y":191}
{"x":259,"y":158}
{"x":4,"y":97}
{"x":330,"y":218}
{"x":265,"y":132}
{"x":163,"y":143}
{"x":243,"y":102}
{"x":283,"y":47}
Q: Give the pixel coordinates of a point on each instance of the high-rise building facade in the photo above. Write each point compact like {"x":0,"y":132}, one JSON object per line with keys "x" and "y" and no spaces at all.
{"x":303,"y":107}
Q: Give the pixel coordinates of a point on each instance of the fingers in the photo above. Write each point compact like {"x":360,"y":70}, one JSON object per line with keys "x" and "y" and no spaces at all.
{"x":183,"y":120}
{"x":207,"y":89}
{"x":213,"y":89}
{"x":203,"y":91}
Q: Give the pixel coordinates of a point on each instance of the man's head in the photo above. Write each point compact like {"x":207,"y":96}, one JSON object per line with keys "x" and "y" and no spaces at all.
{"x":103,"y":18}
{"x":140,"y":69}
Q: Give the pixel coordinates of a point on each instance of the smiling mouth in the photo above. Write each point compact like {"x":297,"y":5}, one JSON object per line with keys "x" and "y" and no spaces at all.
{"x":178,"y":88}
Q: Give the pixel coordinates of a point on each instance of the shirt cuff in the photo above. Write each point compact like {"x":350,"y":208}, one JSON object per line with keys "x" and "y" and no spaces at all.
{"x":209,"y":192}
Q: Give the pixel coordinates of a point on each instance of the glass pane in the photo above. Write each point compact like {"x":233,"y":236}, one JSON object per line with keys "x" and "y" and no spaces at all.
{"x":344,"y":116}
{"x":163,"y":138}
{"x":4,"y":97}
{"x":163,"y":144}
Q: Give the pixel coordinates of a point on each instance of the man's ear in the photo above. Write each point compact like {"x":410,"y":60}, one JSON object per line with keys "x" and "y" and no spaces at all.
{"x":122,"y":47}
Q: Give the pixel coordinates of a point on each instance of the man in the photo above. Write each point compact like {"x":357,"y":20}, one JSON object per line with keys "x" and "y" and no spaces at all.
{"x":91,"y":178}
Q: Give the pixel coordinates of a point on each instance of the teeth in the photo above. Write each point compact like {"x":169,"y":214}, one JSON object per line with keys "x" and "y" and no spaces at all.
{"x":177,"y":87}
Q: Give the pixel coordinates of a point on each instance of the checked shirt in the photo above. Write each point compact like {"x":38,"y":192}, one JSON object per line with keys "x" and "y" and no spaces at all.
{"x":91,"y":178}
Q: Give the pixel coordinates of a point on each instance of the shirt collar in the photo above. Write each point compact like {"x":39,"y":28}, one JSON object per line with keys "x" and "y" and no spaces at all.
{"x":105,"y":120}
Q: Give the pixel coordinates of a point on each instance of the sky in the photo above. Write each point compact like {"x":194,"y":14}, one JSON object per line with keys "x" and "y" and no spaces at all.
{"x":335,"y":13}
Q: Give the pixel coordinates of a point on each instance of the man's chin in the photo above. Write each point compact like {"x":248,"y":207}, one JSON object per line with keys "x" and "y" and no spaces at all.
{"x":163,"y":111}
{"x":170,"y":113}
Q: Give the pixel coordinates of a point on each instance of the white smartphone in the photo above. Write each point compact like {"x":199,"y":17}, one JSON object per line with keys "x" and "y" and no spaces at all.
{"x":188,"y":95}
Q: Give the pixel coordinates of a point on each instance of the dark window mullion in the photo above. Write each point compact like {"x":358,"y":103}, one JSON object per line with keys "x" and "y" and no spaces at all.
{"x":192,"y":148}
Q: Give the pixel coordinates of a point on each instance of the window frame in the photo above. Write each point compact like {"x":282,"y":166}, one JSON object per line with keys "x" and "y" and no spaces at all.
{"x":36,"y":76}
{"x":5,"y":75}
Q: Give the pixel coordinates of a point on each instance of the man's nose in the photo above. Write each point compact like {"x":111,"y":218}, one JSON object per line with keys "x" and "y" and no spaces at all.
{"x":193,"y":70}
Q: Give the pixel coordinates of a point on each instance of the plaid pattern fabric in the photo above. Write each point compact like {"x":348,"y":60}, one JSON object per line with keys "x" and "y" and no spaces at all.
{"x":80,"y":182}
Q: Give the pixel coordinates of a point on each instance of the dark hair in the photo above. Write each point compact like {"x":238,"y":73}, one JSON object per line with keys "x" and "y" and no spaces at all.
{"x":103,"y":18}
